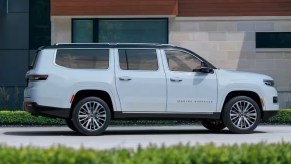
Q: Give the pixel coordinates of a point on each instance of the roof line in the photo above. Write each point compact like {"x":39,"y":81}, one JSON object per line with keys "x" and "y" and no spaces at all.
{"x":111,"y":44}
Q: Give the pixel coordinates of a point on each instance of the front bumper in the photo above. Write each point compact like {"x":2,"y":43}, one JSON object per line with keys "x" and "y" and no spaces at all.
{"x":46,"y":111}
{"x":268,"y":114}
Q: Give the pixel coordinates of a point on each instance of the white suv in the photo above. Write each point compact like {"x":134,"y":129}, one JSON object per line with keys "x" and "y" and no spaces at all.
{"x":91,"y":84}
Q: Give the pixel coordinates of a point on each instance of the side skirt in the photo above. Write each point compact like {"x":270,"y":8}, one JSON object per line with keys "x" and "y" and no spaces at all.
{"x":165,"y":116}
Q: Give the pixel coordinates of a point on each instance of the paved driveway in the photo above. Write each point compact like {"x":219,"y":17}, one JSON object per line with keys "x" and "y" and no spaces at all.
{"x":131,"y":137}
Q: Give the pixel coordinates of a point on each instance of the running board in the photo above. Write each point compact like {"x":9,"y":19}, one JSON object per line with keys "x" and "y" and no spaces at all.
{"x":177,"y":116}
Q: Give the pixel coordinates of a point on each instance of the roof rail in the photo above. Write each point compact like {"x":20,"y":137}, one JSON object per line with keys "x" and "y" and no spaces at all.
{"x":109,"y":45}
{"x":57,"y":44}
{"x":157,"y":44}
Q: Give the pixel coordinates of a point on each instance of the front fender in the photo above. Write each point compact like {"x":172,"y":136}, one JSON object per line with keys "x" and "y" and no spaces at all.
{"x":224,"y":90}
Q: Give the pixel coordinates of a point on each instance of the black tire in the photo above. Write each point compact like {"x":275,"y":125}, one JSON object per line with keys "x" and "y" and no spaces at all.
{"x":239,"y":125}
{"x":97,"y":125}
{"x":213,"y":125}
{"x":70,"y":124}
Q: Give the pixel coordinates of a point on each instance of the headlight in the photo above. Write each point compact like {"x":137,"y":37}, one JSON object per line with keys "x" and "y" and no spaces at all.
{"x":269,"y":83}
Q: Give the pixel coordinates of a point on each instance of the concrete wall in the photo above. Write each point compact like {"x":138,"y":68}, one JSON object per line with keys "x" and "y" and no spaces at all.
{"x":61,"y":30}
{"x":229,"y":43}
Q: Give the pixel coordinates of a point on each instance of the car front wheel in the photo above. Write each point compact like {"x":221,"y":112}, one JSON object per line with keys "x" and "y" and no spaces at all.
{"x":241,"y":115}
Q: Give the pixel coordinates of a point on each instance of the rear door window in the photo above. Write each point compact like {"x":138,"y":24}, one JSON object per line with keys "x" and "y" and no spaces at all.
{"x":138,"y":59}
{"x":83,"y":58}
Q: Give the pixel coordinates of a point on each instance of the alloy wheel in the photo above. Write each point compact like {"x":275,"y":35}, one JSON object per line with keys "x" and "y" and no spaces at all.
{"x":243,"y":114}
{"x":92,"y":115}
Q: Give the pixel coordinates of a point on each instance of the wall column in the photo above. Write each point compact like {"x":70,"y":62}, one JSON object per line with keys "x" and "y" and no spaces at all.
{"x":61,"y":30}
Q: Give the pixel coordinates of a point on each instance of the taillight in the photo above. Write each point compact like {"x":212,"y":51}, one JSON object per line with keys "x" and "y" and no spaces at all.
{"x":37,"y":77}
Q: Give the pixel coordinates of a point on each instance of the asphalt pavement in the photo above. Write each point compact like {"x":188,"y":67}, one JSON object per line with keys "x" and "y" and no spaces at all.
{"x":132,"y":137}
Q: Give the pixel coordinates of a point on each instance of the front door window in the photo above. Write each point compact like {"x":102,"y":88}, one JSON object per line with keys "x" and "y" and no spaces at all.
{"x":182,"y":61}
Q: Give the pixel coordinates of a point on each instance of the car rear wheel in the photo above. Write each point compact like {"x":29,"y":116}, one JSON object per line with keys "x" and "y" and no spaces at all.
{"x":213,"y":125}
{"x":241,"y":115}
{"x":70,"y":124}
{"x":91,"y":116}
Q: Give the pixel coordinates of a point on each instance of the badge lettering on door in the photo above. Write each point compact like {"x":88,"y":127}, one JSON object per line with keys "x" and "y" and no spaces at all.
{"x":194,"y":101}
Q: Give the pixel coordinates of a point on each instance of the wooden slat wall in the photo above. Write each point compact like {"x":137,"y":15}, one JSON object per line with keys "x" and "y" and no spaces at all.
{"x":234,"y":8}
{"x":113,"y":7}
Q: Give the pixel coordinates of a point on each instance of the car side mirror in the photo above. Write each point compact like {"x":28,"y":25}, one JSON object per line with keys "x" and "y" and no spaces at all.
{"x":206,"y":70}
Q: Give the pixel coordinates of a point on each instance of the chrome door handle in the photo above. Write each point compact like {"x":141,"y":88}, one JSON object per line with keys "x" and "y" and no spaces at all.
{"x":124,"y":78}
{"x":176,"y":79}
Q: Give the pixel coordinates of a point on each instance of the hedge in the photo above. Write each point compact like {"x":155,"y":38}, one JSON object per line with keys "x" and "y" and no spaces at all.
{"x":283,"y":117}
{"x":25,"y":118}
{"x":19,"y":118}
{"x":202,"y":154}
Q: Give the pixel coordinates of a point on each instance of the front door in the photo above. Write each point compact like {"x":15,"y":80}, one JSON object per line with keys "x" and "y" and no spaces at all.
{"x":140,"y":80}
{"x":188,"y":89}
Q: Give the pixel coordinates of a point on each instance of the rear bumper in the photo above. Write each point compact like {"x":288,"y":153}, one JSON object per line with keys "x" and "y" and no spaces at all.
{"x":269,"y":114}
{"x":46,"y":111}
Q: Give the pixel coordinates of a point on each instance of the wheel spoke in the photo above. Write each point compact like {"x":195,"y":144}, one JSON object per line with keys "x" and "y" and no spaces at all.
{"x":247,"y":121}
{"x":251,"y":117}
{"x":101,"y":112}
{"x":236,"y":115}
{"x":238,"y":107}
{"x":251,"y":111}
{"x":234,"y":120}
{"x":82,"y":111}
{"x":82,"y":116}
{"x":85,"y":122}
{"x":246,"y":107}
{"x":88,"y":123}
{"x":98,"y":121}
{"x":87,"y":108}
{"x":251,"y":114}
{"x":96,"y":108}
{"x":102,"y":115}
{"x":84,"y":119}
{"x":95,"y":122}
{"x":238,"y":122}
{"x":92,"y":124}
{"x":102,"y":119}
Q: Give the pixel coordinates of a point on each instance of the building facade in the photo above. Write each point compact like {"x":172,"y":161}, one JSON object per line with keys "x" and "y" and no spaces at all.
{"x":249,"y":35}
{"x":24,"y":26}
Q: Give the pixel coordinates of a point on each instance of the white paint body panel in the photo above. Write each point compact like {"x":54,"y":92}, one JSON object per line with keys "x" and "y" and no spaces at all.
{"x":148,"y":91}
{"x":195,"y":92}
{"x":63,"y":82}
{"x":229,"y":81}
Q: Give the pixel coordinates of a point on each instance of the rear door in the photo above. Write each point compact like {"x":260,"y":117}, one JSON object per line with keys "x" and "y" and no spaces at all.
{"x":140,"y":80}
